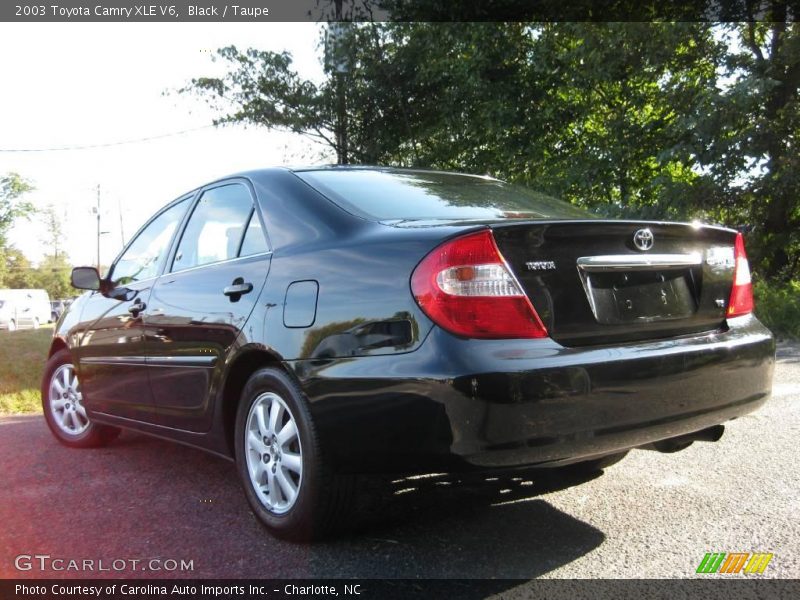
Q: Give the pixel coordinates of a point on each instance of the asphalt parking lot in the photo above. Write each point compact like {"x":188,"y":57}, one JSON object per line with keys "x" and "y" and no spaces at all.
{"x":651,"y":516}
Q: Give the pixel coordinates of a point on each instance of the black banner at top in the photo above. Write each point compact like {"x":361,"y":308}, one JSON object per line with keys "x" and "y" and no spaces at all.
{"x":396,"y":10}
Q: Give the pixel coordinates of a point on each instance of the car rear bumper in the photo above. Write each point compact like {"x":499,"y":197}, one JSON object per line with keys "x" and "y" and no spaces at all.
{"x":458,"y":403}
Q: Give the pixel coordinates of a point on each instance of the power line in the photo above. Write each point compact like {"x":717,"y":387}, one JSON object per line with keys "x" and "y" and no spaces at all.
{"x":108,"y":144}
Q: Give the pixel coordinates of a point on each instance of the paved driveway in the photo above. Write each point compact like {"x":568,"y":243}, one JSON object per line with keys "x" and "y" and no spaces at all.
{"x":653,"y":515}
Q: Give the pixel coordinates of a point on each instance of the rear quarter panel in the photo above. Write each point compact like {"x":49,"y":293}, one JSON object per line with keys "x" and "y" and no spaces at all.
{"x":362,"y":269}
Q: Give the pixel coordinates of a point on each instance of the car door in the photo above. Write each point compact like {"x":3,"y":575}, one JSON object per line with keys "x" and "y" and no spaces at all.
{"x":200,"y":305}
{"x":111,"y":351}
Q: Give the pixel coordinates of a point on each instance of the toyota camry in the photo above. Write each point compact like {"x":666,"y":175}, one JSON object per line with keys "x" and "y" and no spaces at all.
{"x":312,"y":325}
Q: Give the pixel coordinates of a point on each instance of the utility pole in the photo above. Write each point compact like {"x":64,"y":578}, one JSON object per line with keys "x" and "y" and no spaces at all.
{"x":340,"y":67}
{"x":98,"y":227}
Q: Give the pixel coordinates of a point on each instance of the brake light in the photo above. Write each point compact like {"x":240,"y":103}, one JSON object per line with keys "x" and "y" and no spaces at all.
{"x":466,"y":287}
{"x":741,"y":301}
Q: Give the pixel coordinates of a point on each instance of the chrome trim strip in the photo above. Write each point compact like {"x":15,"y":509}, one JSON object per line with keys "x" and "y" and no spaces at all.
{"x":219,"y":262}
{"x":181,"y":361}
{"x":114,"y":360}
{"x":142,"y":361}
{"x":639,"y":262}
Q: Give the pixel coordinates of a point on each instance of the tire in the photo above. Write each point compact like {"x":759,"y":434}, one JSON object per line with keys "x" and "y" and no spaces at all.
{"x":263,"y":447}
{"x":65,"y":415}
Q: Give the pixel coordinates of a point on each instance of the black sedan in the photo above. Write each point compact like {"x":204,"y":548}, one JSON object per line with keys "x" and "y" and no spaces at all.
{"x":317,"y":324}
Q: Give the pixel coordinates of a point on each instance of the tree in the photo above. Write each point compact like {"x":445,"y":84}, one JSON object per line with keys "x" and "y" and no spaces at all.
{"x":753,"y":151}
{"x":53,"y":275}
{"x":615,"y":102}
{"x":262,"y":89}
{"x":12,"y":187}
{"x":54,"y":228}
{"x":19,"y":273}
{"x":648,"y":120}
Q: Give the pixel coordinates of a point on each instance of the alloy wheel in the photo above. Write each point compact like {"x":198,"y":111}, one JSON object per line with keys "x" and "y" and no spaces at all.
{"x":66,"y":401}
{"x":274,"y":453}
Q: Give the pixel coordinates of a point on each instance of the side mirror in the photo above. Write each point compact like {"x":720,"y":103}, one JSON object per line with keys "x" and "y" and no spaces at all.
{"x":85,"y":278}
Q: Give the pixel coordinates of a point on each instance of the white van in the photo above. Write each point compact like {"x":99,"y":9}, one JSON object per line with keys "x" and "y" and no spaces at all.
{"x":24,"y":308}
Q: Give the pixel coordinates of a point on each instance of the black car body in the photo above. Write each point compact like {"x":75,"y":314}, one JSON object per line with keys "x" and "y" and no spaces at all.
{"x":596,"y":336}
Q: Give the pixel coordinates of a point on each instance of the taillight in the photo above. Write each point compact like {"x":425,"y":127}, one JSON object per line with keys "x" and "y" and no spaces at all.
{"x":741,"y":301}
{"x":465,"y":287}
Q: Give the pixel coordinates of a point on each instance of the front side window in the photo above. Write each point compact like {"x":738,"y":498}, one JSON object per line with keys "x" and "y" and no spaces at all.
{"x":142,"y":258}
{"x":215,"y":229}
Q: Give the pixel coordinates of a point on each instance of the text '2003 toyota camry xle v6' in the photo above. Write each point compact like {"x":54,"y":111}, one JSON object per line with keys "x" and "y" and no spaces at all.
{"x":314,"y":324}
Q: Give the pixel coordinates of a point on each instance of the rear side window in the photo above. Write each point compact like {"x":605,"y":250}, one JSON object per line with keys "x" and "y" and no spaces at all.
{"x":254,"y":241}
{"x":215,"y":229}
{"x":387,"y":195}
{"x":142,"y":258}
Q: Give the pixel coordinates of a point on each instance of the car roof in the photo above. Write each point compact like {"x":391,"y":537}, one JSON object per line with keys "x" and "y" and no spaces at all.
{"x":382,"y":169}
{"x":267,"y":171}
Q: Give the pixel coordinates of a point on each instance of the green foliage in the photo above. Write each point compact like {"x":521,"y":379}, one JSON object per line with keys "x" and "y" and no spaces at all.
{"x":12,"y":187}
{"x":262,"y":89}
{"x":22,"y":358}
{"x":645,"y":120}
{"x":55,"y":231}
{"x":53,"y":275}
{"x":754,"y":156}
{"x":778,"y":307}
{"x":18,"y":272}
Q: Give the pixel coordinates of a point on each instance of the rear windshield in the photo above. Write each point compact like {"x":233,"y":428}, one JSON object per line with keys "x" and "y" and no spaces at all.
{"x":413,"y":195}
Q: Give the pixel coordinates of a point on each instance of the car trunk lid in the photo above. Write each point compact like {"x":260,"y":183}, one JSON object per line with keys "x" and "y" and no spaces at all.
{"x":597,"y":282}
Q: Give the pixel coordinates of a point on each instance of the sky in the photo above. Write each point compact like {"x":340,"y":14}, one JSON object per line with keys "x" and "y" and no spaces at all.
{"x":78,"y":84}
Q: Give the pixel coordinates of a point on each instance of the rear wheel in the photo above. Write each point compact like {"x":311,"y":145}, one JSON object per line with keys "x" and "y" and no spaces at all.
{"x":278,"y":457}
{"x":62,"y":403}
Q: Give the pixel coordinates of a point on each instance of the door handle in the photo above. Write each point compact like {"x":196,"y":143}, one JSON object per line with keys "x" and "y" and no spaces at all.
{"x":238,"y":287}
{"x":136,"y":308}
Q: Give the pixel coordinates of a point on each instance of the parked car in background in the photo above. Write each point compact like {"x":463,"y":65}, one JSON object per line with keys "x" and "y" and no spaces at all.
{"x":24,"y":308}
{"x":315,"y":324}
{"x":56,"y":308}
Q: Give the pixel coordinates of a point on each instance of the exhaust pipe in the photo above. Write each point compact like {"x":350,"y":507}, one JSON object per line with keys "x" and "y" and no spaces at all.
{"x":676,"y":444}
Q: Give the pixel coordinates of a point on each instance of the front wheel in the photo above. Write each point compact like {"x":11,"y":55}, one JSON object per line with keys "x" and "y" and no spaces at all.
{"x":62,"y":403}
{"x":279,"y":460}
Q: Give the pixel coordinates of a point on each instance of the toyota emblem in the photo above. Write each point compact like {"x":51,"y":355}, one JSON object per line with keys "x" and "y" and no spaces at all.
{"x":643,"y":239}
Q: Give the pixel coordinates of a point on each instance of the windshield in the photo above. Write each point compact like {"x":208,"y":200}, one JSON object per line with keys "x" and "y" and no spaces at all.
{"x":413,"y":195}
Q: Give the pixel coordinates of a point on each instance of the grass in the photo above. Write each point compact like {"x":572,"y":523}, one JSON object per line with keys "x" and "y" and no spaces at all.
{"x":22,"y":357}
{"x":778,"y":307}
